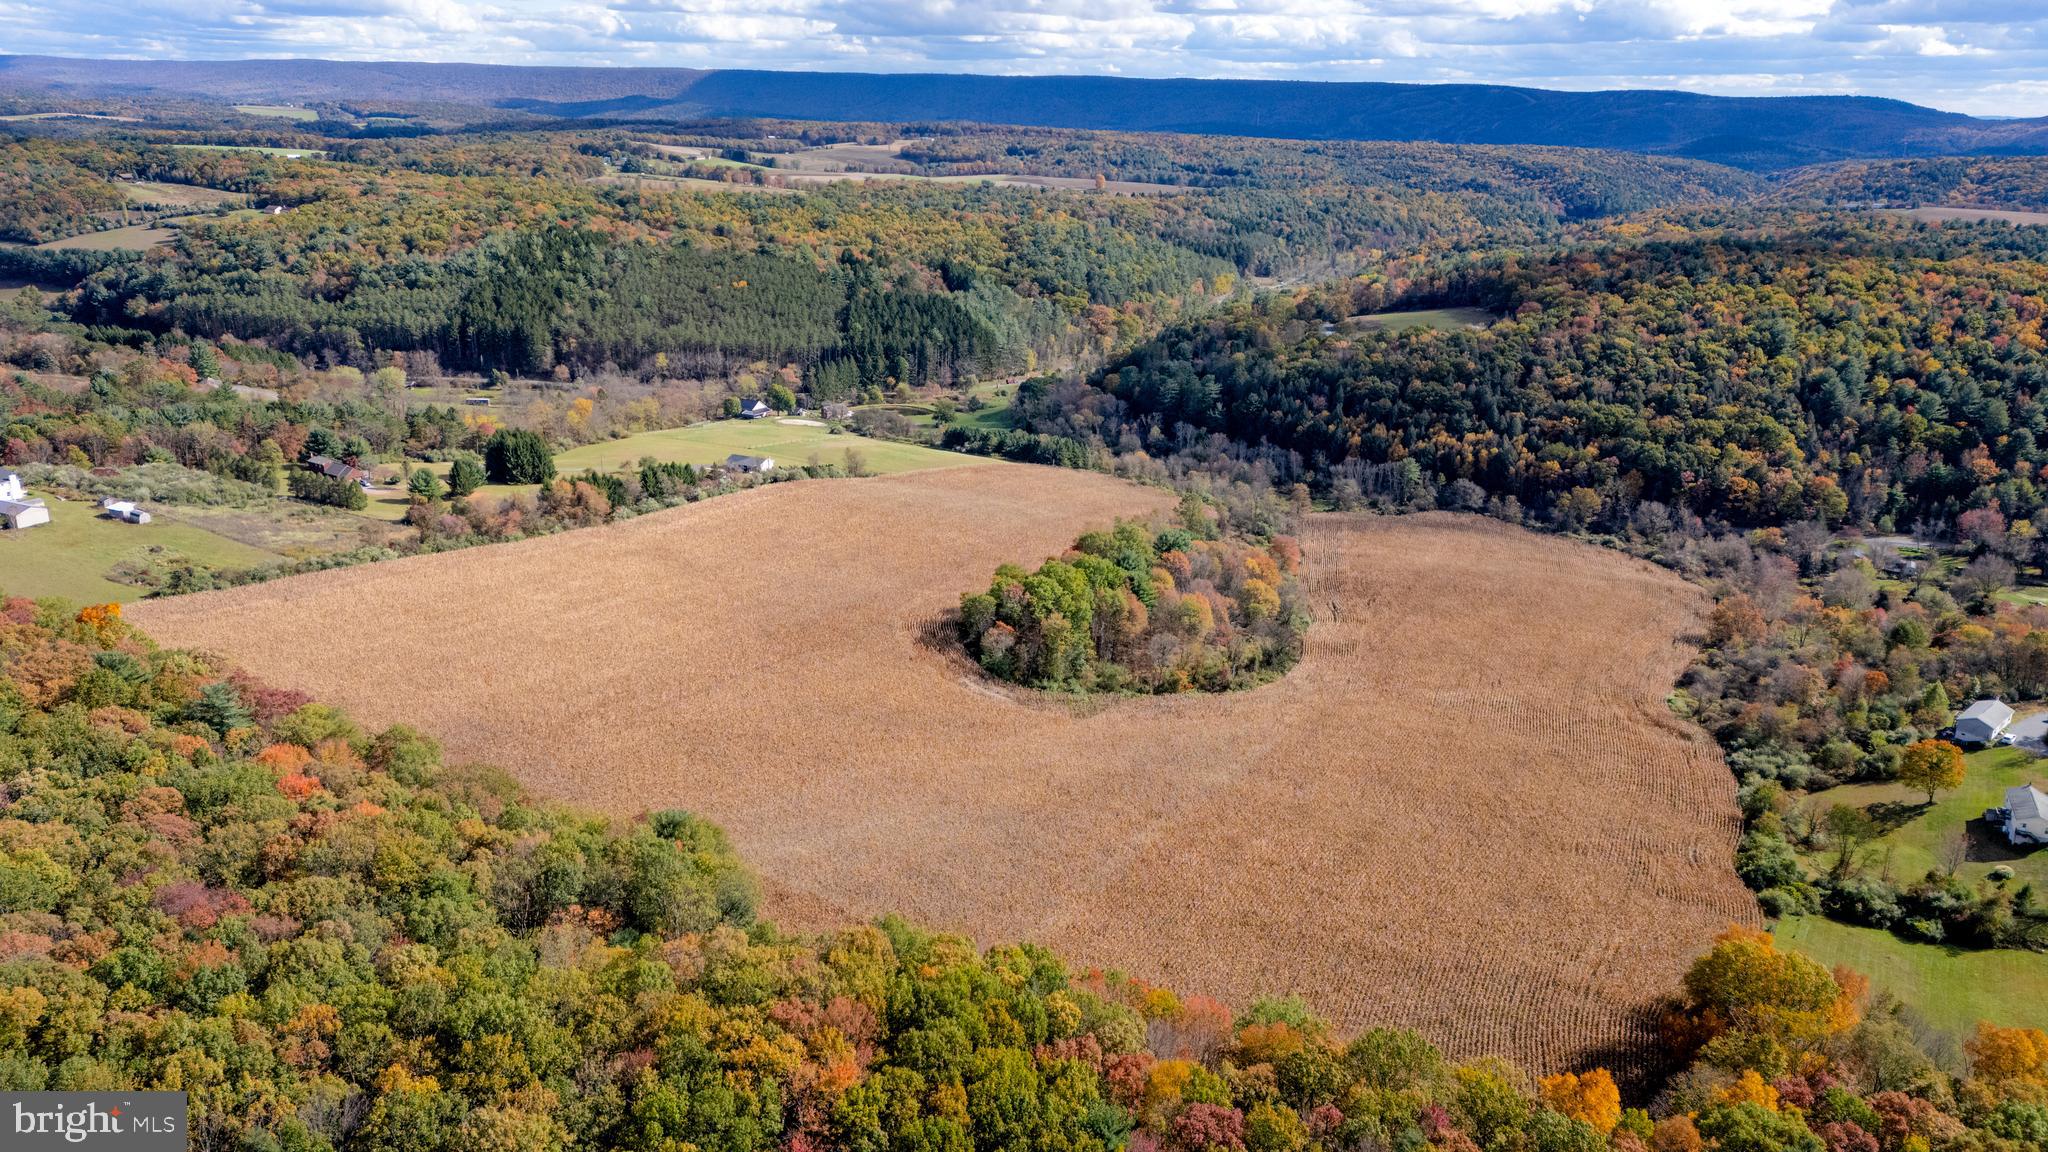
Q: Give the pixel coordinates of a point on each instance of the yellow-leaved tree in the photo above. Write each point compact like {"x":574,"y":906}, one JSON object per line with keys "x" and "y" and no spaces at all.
{"x":1592,"y":1097}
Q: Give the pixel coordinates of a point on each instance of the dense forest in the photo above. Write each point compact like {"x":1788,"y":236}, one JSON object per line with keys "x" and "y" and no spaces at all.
{"x":1760,"y":373}
{"x":474,"y":246}
{"x":1970,"y":181}
{"x":330,"y":939}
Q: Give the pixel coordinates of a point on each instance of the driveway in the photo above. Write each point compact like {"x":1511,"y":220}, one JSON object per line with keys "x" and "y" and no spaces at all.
{"x":2031,"y":732}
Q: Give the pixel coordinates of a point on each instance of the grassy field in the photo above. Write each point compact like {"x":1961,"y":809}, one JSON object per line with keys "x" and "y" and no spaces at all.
{"x":287,"y":153}
{"x":1918,"y":835}
{"x":1526,"y":852}
{"x":277,"y":111}
{"x":712,"y":442}
{"x":1949,"y":988}
{"x":1424,"y":318}
{"x":179,"y":195}
{"x":1970,"y":215}
{"x":71,"y":116}
{"x":70,"y":555}
{"x":693,"y":183}
{"x":134,"y":236}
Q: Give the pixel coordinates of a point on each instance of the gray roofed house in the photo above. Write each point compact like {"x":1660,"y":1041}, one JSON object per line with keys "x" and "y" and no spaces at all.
{"x":754,"y":409}
{"x":1982,"y":722}
{"x":738,"y":462}
{"x":2025,"y":815}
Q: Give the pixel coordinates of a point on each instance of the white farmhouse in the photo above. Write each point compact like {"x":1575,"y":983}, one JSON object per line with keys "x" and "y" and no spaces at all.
{"x":18,"y":509}
{"x":1982,"y":722}
{"x":739,"y":462}
{"x":2024,"y":817}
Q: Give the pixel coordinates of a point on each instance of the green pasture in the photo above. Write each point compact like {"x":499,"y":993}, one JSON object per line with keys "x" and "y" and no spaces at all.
{"x":69,"y":556}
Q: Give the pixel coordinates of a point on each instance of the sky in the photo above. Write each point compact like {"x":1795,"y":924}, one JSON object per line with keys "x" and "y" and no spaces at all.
{"x":1987,"y":57}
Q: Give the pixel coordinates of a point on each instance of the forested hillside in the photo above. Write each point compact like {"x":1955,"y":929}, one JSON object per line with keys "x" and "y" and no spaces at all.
{"x":1850,"y":371}
{"x":1973,"y":181}
{"x":507,"y":252}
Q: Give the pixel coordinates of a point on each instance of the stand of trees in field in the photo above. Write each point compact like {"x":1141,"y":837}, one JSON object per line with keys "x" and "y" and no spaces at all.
{"x":332,"y":941}
{"x":1167,"y":607}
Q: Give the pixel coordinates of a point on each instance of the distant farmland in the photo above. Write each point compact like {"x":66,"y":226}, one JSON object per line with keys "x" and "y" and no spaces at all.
{"x":1468,"y":810}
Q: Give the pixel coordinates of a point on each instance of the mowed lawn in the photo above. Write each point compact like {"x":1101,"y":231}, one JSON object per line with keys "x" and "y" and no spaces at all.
{"x":787,"y":444}
{"x":1917,"y":835}
{"x":70,"y":555}
{"x":1950,"y":988}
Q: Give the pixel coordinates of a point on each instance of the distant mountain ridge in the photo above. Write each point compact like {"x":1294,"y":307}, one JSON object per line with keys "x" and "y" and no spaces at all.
{"x":1753,"y":132}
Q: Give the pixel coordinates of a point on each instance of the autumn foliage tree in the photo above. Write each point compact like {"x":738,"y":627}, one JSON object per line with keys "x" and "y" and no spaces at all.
{"x":1932,"y":766}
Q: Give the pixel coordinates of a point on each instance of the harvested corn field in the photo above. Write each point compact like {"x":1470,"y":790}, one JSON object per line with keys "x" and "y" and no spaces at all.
{"x":1467,"y":810}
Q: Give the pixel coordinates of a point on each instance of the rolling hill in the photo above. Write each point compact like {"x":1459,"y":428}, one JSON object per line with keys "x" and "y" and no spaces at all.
{"x":1752,"y":132}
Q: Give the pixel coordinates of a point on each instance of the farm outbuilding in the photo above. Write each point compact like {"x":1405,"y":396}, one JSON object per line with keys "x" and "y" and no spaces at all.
{"x":2024,"y":819}
{"x":23,"y":513}
{"x":125,"y":510}
{"x":1982,"y":722}
{"x":754,"y":409}
{"x":742,"y":463}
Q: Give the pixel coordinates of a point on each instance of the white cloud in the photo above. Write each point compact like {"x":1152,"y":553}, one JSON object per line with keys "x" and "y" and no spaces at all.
{"x":1983,"y":56}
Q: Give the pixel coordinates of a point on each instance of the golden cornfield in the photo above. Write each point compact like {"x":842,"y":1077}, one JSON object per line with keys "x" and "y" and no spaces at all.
{"x":1468,"y":809}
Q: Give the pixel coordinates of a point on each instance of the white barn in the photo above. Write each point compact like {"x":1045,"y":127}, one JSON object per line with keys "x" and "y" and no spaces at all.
{"x":743,"y":463}
{"x":18,"y":509}
{"x":2024,"y":817}
{"x":1982,"y":722}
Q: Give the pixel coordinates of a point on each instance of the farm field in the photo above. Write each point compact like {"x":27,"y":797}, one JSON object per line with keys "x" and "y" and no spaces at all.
{"x":178,"y":195}
{"x":1468,"y":810}
{"x":692,"y":183}
{"x":1423,"y":318}
{"x":1948,"y":988}
{"x":713,"y":441}
{"x":71,"y":116}
{"x":277,"y":111}
{"x":133,"y":236}
{"x":287,"y":153}
{"x":1916,"y":835}
{"x":1936,"y":215}
{"x":70,"y":555}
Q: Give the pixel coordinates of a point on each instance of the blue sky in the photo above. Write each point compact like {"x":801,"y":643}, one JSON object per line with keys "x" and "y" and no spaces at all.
{"x":1967,"y":55}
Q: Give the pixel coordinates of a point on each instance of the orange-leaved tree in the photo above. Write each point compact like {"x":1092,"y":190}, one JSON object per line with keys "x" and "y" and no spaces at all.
{"x":1931,"y":766}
